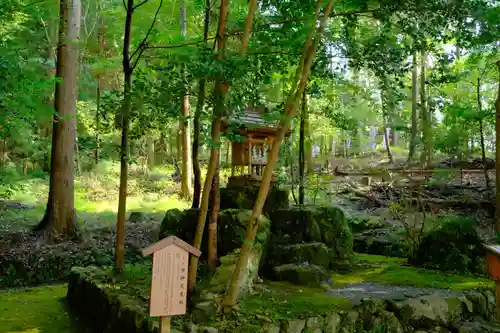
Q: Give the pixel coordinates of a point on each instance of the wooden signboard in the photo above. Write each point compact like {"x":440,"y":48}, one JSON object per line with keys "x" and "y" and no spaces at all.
{"x":169,"y":280}
{"x":493,"y":269}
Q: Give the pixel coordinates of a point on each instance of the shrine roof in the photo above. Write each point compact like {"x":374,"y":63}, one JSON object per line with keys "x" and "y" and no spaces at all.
{"x":253,"y":119}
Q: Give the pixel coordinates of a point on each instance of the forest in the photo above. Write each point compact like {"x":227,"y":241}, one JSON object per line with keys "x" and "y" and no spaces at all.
{"x":334,"y":161}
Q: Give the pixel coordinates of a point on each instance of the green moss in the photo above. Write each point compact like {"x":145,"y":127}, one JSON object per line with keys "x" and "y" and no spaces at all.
{"x":386,"y":270}
{"x":281,"y":300}
{"x":301,"y":274}
{"x":313,"y":253}
{"x":34,"y":310}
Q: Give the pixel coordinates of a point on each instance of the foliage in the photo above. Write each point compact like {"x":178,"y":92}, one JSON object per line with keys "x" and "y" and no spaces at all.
{"x":454,"y":246}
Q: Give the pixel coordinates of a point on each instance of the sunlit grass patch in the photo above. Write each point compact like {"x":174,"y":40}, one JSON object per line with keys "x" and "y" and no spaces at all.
{"x":387,"y":270}
{"x":36,"y":310}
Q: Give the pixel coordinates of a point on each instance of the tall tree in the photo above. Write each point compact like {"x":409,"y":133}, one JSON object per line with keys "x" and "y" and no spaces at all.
{"x":60,"y":215}
{"x":196,"y":121}
{"x":129,"y":62}
{"x":424,"y":112}
{"x":481,"y":132}
{"x":302,"y":160}
{"x":184,"y":119}
{"x":414,"y":108}
{"x":497,"y":154}
{"x":220,"y":92}
{"x":221,"y":89}
{"x":292,"y":101}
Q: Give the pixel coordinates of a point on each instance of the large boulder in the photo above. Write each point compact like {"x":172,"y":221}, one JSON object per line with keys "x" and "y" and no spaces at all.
{"x":314,"y":253}
{"x":231,"y":227}
{"x":454,"y":246}
{"x":307,"y":236}
{"x":323,"y":224}
{"x":301,"y":274}
{"x":243,"y":197}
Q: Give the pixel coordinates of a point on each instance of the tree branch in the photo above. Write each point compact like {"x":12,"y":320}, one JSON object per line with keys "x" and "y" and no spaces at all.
{"x":142,"y":45}
{"x":33,"y":3}
{"x":139,"y":4}
{"x":124,"y":5}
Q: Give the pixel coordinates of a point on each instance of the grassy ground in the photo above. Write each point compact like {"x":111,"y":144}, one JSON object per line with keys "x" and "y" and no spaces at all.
{"x":385,"y":270}
{"x":96,"y":195}
{"x":36,"y":310}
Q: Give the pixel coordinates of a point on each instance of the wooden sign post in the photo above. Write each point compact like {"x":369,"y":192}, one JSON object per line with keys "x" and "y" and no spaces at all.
{"x":169,"y":281}
{"x":493,"y":268}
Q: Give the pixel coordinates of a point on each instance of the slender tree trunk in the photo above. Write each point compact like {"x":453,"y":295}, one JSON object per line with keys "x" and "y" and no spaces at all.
{"x":228,"y":150}
{"x":497,"y":155}
{"x":98,"y":122}
{"x":186,"y":180}
{"x":60,"y":215}
{"x":101,"y":42}
{"x":384,"y":129}
{"x":414,"y":110}
{"x":308,"y":144}
{"x":150,"y":147}
{"x":481,"y":134}
{"x":424,"y":113}
{"x":124,"y":148}
{"x":212,"y":222}
{"x":299,"y":84}
{"x":77,"y":152}
{"x":302,"y":149}
{"x":197,"y":115}
{"x":220,"y":93}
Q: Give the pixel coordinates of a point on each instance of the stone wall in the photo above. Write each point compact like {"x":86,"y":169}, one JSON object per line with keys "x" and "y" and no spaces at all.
{"x":106,"y":310}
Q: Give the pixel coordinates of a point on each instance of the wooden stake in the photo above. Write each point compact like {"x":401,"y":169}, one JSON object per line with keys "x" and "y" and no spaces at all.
{"x":164,"y":324}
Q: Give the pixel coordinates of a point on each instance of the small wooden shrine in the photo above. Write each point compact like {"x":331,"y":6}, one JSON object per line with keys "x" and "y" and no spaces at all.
{"x":249,"y":156}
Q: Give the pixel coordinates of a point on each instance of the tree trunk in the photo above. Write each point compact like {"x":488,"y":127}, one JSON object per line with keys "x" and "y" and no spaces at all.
{"x":384,"y":129}
{"x":212,"y":222}
{"x":150,"y":147}
{"x":424,"y":113}
{"x":60,"y":215}
{"x":101,"y":41}
{"x":497,"y":155}
{"x":302,"y":149}
{"x":77,"y":152}
{"x":124,"y":149}
{"x":186,"y":180}
{"x":481,"y":134}
{"x":98,"y":122}
{"x":197,"y":115}
{"x":228,"y":150}
{"x":220,"y":92}
{"x":308,"y":144}
{"x":298,"y":86}
{"x":414,"y":110}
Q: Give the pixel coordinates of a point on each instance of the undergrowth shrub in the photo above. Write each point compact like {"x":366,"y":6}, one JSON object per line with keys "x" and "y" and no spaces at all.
{"x":453,"y":246}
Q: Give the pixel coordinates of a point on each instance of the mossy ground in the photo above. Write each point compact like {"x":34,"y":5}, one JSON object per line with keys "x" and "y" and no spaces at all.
{"x":387,"y":270}
{"x":36,"y":310}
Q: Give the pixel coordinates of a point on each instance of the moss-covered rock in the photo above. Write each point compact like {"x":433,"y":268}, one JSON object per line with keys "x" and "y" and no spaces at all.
{"x":318,"y":236}
{"x":103,"y":310}
{"x":454,"y":246}
{"x":314,"y":253}
{"x":302,"y":274}
{"x":243,"y":197}
{"x":313,"y":224}
{"x":231,"y":227}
